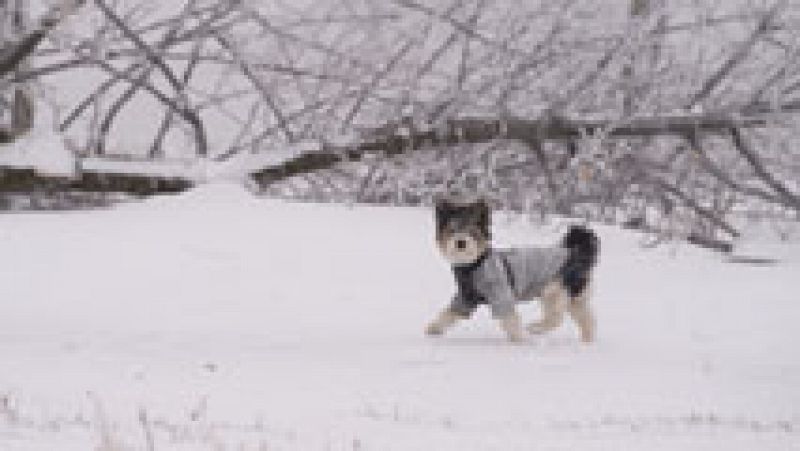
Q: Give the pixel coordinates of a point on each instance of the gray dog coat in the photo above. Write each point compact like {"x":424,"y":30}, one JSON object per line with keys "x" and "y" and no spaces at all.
{"x":502,"y":278}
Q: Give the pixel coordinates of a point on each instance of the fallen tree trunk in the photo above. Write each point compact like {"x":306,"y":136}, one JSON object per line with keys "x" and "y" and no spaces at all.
{"x":400,"y":137}
{"x":27,"y":180}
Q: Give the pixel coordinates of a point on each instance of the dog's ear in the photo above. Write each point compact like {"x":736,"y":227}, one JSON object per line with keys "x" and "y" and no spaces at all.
{"x":484,"y":214}
{"x":442,"y":209}
{"x":442,"y":206}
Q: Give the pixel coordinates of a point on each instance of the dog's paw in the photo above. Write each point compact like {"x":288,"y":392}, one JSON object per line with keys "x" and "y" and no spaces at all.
{"x":512,"y":326}
{"x":434,"y":330}
{"x":536,"y":328}
{"x":516,"y":337}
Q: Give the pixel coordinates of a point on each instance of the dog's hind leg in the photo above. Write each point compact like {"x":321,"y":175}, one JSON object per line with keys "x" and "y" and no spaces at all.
{"x":581,"y":313}
{"x":442,"y":322}
{"x":555,"y":301}
{"x":512,"y":326}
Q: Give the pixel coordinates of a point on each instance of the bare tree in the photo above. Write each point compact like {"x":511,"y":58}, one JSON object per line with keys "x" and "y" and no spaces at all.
{"x":16,"y":109}
{"x":563,"y":105}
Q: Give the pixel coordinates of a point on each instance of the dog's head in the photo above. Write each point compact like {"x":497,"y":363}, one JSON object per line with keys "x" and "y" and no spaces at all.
{"x":462,"y":229}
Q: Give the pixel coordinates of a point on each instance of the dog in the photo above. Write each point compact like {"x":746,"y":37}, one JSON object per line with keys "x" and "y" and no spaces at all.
{"x":559,"y":276}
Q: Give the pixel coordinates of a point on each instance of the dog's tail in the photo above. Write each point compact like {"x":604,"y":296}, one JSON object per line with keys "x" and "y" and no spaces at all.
{"x":583,"y":246}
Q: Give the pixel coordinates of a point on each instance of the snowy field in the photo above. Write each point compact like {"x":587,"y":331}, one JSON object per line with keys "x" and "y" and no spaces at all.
{"x":213,"y":320}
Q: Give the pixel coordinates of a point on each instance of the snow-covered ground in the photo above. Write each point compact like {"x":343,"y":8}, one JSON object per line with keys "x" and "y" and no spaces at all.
{"x":214,"y":320}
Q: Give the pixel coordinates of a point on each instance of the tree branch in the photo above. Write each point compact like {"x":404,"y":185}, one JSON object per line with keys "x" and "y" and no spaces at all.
{"x":394,"y":139}
{"x":11,"y":58}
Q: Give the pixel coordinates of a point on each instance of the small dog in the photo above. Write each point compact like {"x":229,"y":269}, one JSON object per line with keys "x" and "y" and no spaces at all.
{"x":560,"y":276}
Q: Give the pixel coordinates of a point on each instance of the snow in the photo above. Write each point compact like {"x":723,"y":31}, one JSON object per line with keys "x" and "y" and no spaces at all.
{"x":43,"y":151}
{"x":242,"y":164}
{"x":47,"y":153}
{"x":217,"y":320}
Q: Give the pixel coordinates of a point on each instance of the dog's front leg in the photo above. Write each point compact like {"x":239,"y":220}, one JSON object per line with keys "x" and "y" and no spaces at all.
{"x":442,"y":322}
{"x":503,"y":303}
{"x":512,"y":326}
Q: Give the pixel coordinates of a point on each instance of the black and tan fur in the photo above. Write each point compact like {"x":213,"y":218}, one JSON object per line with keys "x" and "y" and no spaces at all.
{"x":483,"y":274}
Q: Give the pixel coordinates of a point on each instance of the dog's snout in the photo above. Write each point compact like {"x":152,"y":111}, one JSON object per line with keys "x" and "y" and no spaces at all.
{"x":461,"y":244}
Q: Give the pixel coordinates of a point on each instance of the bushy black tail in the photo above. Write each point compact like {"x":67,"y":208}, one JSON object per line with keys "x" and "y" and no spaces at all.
{"x":583,"y":246}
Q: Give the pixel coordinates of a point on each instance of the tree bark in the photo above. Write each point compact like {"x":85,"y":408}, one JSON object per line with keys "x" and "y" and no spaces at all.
{"x":394,"y":139}
{"x":11,"y":57}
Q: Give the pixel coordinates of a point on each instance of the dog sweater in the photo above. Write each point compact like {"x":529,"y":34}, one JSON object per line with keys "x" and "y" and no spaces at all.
{"x":502,"y":278}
